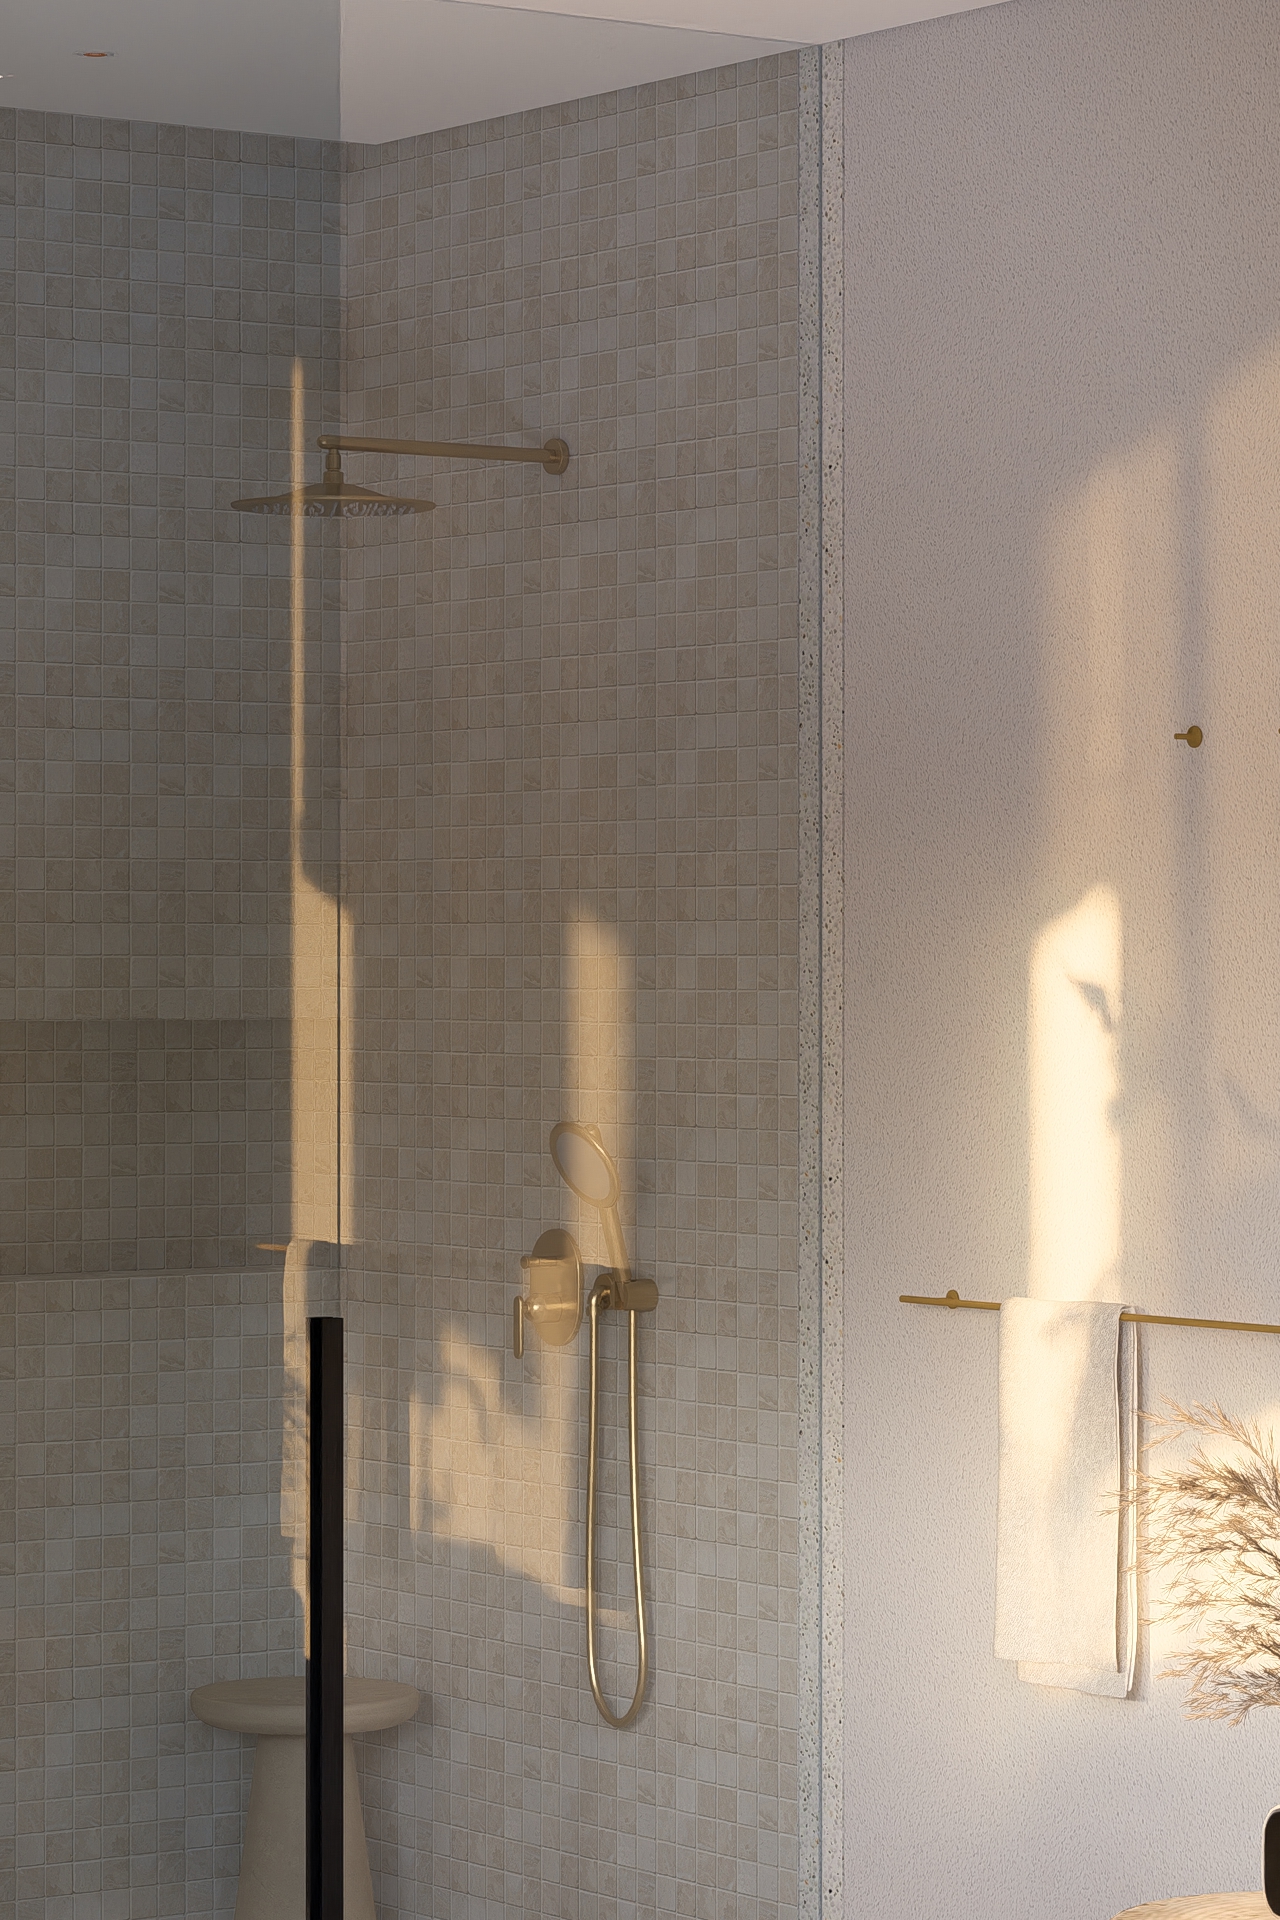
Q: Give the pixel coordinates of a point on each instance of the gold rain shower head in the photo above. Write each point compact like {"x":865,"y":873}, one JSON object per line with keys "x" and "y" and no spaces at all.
{"x":335,"y":498}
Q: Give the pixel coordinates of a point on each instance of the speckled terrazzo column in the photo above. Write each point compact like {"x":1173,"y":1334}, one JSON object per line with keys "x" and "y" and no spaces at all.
{"x":821,"y":878}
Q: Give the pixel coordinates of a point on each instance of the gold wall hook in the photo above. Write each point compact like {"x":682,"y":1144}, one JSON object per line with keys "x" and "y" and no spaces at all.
{"x":1193,"y":736}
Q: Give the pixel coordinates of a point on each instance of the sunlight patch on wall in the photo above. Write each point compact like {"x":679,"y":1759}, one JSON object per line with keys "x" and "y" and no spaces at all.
{"x":321,"y":971}
{"x":1075,"y":1149}
{"x":481,"y":1472}
{"x":1112,"y":784}
{"x":316,"y":931}
{"x":600,"y":1068}
{"x":480,"y":1469}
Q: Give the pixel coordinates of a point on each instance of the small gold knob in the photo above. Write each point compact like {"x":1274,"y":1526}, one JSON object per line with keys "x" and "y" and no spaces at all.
{"x":1193,"y":736}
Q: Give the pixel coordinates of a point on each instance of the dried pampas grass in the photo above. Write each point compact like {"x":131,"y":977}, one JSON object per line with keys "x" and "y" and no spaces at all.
{"x":1214,"y":1526}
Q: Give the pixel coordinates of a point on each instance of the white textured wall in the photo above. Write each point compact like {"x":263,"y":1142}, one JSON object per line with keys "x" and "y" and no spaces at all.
{"x":1063,"y":545}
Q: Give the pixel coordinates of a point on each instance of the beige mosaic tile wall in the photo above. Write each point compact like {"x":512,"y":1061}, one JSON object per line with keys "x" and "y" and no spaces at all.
{"x":162,"y":717}
{"x":158,"y":285}
{"x":571,"y":888}
{"x":140,"y":1437}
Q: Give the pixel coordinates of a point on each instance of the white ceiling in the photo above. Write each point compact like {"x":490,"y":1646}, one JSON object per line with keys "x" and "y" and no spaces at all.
{"x":410,"y":66}
{"x":256,"y":66}
{"x":374,"y":70}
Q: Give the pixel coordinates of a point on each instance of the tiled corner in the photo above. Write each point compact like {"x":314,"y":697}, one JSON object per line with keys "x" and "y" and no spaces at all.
{"x":571,"y":868}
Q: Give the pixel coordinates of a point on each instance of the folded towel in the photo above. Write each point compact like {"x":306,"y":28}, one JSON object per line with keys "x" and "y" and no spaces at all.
{"x":1065,"y":1581}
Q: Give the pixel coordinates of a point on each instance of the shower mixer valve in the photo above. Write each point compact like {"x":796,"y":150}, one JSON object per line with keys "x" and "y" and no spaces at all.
{"x":553,"y":1304}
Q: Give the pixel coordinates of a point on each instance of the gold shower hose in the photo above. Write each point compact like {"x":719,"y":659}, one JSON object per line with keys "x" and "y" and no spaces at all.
{"x":602,"y":1295}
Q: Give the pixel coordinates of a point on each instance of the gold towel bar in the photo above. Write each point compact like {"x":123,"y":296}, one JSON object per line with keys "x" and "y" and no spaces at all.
{"x":952,"y":1299}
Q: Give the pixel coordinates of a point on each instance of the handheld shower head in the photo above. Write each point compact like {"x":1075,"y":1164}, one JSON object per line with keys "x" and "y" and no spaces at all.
{"x":584,"y":1164}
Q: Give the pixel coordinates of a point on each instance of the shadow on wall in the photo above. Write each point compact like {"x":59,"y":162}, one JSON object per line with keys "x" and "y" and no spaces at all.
{"x":1162,"y":582}
{"x":486,"y":1493}
{"x":1074,"y":1033}
{"x":481,"y":1475}
{"x":478,"y":1417}
{"x":496,"y":1450}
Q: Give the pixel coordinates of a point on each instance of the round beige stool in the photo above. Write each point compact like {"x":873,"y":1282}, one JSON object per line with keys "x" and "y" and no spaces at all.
{"x":1202,"y":1906}
{"x":273,"y":1866}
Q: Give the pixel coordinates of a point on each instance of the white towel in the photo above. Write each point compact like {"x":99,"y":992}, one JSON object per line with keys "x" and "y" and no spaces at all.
{"x":1065,"y":1579}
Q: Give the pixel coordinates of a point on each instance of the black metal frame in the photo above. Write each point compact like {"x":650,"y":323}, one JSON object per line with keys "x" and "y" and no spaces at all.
{"x":325,"y":1597}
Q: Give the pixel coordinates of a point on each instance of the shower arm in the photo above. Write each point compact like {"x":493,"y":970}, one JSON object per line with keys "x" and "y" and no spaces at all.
{"x":553,"y":457}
